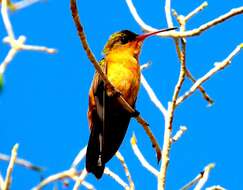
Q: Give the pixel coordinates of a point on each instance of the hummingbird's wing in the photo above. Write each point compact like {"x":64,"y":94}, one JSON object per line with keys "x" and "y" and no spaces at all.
{"x":108,"y":122}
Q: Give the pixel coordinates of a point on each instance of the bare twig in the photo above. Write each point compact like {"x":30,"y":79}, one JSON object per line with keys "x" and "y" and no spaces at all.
{"x":79,"y":157}
{"x":129,"y":177}
{"x":179,"y":134}
{"x":109,"y":86}
{"x":55,"y":177}
{"x":195,"y":11}
{"x":141,"y":158}
{"x":215,"y":187}
{"x":1,"y":181}
{"x":7,"y":182}
{"x":204,"y":177}
{"x":217,"y":67}
{"x":24,"y":3}
{"x":80,"y":179}
{"x":168,"y":13}
{"x":88,"y":185}
{"x":21,"y":162}
{"x":152,"y":95}
{"x":116,"y":177}
{"x":201,"y":176}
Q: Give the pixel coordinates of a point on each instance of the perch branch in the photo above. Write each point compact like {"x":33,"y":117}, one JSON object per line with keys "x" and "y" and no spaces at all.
{"x":109,"y":86}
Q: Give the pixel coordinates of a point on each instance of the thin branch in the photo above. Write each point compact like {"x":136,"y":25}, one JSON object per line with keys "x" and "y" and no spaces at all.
{"x":153,"y":96}
{"x":24,"y":3}
{"x":129,"y":177}
{"x":217,"y":67}
{"x":1,"y":181}
{"x":179,"y":134}
{"x":141,"y":158}
{"x":203,"y":92}
{"x":137,"y":18}
{"x":21,"y":162}
{"x":12,"y":52}
{"x":200,"y":176}
{"x":114,"y":176}
{"x":204,"y":178}
{"x":7,"y":182}
{"x":80,"y":179}
{"x":168,"y":14}
{"x":79,"y":157}
{"x":38,"y":48}
{"x":88,"y":185}
{"x":109,"y":86}
{"x":215,"y":187}
{"x":71,"y":173}
{"x":196,"y":11}
{"x":6,"y":21}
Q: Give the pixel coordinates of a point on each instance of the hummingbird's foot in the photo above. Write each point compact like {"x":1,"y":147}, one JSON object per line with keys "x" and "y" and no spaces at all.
{"x":136,"y":113}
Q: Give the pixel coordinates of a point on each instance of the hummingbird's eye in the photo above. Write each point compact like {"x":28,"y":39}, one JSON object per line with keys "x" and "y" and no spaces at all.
{"x":124,"y":39}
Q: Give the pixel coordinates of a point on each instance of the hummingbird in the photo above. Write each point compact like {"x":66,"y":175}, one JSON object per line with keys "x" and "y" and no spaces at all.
{"x":108,"y":120}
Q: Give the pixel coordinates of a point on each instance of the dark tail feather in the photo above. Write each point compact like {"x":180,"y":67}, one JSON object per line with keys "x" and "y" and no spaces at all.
{"x":94,"y":159}
{"x":105,"y":141}
{"x":115,"y":130}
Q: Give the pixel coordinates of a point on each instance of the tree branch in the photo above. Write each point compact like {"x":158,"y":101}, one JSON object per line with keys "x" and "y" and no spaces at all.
{"x":127,"y":172}
{"x":217,"y":67}
{"x":201,"y":178}
{"x":7,"y":182}
{"x":141,"y":158}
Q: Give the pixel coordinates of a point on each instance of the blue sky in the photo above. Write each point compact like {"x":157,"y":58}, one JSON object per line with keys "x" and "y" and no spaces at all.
{"x":44,"y":103}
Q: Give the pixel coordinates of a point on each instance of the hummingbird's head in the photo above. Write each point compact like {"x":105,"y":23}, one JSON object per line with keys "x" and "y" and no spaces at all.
{"x":120,"y":40}
{"x":128,"y":41}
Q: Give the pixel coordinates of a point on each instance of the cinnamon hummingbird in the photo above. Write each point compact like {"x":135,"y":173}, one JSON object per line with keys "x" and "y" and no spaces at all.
{"x":108,"y":120}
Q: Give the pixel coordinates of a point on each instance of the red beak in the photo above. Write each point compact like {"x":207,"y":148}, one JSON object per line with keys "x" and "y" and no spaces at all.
{"x":146,"y":35}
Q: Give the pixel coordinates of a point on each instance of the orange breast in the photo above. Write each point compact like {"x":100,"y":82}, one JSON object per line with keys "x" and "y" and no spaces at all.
{"x":123,"y":71}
